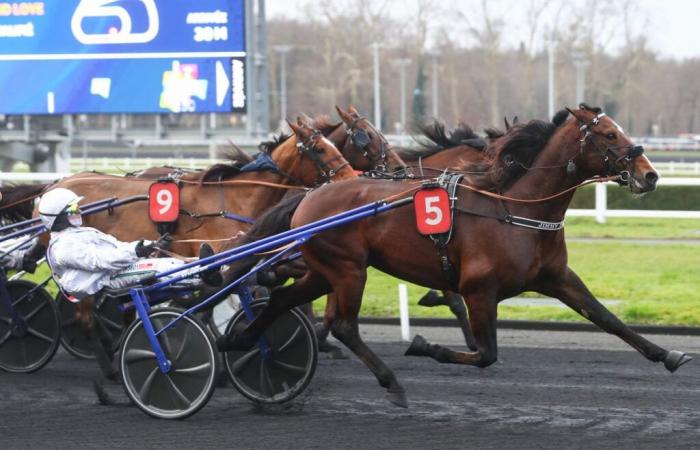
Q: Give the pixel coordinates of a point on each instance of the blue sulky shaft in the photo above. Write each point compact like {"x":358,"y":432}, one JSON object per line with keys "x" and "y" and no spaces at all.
{"x":277,"y":240}
{"x":295,"y":237}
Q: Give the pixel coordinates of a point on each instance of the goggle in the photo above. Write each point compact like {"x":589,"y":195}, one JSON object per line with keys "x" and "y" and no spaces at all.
{"x":72,"y":208}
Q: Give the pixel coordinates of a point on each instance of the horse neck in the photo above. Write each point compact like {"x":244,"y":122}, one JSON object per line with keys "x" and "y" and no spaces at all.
{"x":551,"y":179}
{"x":338,"y":137}
{"x":254,"y":199}
{"x":288,"y":159}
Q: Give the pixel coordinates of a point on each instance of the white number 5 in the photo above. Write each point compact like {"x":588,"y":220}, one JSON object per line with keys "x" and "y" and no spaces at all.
{"x":431,"y":209}
{"x":165,"y":199}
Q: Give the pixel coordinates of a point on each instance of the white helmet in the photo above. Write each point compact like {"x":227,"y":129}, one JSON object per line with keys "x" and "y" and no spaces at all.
{"x":53,"y":203}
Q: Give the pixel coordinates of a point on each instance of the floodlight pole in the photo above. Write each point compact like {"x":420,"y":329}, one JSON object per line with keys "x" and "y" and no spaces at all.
{"x":282,"y":51}
{"x":402,"y":63}
{"x":377,"y":93}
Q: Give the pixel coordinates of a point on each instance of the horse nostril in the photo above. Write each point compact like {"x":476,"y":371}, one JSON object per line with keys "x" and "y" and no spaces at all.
{"x":652,"y":178}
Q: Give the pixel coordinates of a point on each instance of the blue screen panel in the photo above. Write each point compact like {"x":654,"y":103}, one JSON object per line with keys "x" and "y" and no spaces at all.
{"x":121,"y":56}
{"x":122,"y":85}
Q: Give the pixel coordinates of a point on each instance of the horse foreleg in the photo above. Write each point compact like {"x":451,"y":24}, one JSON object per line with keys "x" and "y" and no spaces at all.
{"x":456,"y":304}
{"x":482,"y":318}
{"x":570,"y":290}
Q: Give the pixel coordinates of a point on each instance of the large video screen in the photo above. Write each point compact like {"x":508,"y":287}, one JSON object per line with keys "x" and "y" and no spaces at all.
{"x":122,"y":56}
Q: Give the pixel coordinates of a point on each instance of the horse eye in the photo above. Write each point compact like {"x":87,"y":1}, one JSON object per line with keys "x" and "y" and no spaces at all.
{"x":610,"y":136}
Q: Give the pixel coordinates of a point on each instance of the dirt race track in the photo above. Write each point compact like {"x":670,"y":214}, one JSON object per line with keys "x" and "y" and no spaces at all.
{"x":549,"y":390}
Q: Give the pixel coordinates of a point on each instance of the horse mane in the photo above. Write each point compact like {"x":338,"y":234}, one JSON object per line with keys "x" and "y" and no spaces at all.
{"x":324,"y":124}
{"x":276,"y":141}
{"x":236,"y":157}
{"x":435,"y":138}
{"x":494,"y":133}
{"x":522,"y":146}
{"x":18,"y":201}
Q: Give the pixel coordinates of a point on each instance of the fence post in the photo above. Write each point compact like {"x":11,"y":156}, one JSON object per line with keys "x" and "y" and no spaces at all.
{"x":403,"y":313}
{"x":601,"y":202}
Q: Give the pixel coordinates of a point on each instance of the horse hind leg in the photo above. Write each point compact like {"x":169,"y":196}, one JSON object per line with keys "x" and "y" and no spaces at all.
{"x":348,"y":290}
{"x":306,"y":289}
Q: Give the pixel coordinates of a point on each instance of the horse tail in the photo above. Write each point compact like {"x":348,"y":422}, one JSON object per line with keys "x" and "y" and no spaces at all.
{"x":17,"y":201}
{"x":275,"y":220}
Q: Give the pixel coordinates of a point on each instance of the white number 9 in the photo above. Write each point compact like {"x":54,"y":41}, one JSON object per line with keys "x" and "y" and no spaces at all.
{"x":430,"y":209}
{"x":164,"y":198}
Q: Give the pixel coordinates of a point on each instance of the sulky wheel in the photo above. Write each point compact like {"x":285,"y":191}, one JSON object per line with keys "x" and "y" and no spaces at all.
{"x":192,"y":378}
{"x":74,"y":337}
{"x":290,"y":366}
{"x":28,"y":344}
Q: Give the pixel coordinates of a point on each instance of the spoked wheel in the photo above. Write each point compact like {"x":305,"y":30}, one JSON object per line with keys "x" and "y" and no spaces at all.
{"x":29,"y":344}
{"x":192,"y":378}
{"x":288,"y":369}
{"x":75,"y":339}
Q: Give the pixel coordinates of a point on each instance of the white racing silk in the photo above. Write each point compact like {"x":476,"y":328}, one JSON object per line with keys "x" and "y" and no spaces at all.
{"x":84,"y":260}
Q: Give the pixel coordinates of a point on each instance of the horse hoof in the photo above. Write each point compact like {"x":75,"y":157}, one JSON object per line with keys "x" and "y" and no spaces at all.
{"x":338,"y":354}
{"x":675,"y":359}
{"x":432,"y":298}
{"x":418,"y":346}
{"x":398,"y":399}
{"x":321,"y":332}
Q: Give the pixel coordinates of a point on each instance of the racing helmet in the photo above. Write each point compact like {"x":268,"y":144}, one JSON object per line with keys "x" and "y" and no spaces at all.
{"x":55,"y":202}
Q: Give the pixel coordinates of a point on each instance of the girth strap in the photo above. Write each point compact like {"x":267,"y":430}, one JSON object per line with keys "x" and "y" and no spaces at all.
{"x":450,"y":182}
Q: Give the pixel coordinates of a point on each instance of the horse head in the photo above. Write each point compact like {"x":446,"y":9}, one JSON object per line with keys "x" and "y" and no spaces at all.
{"x":605,"y":149}
{"x":310,"y":158}
{"x":366,"y":147}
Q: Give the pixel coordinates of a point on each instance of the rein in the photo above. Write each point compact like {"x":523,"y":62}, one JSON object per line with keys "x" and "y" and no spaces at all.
{"x":17,"y":202}
{"x":542,"y":199}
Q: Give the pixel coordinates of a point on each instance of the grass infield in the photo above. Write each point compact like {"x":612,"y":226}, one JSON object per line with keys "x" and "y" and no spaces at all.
{"x":647,"y":284}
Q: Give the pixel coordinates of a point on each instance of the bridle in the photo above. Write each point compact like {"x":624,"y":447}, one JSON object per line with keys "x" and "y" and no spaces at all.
{"x":360,"y":139}
{"x":611,"y":156}
{"x":324,"y":171}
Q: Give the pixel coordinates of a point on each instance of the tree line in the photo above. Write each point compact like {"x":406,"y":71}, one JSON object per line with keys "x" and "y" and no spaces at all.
{"x":480,"y":78}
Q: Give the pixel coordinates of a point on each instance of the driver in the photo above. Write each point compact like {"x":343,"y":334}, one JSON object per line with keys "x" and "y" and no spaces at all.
{"x":21,"y":254}
{"x":85,"y":260}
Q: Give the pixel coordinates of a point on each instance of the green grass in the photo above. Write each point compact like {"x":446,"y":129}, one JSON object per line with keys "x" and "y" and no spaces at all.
{"x":656,"y":284}
{"x":653,"y":284}
{"x":623,"y":228}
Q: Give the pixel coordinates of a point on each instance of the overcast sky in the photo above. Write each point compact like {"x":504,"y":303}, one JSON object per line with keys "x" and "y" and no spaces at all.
{"x":674,"y":29}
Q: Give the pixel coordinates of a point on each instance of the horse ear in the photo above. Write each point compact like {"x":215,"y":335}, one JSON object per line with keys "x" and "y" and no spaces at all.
{"x":345,"y":117}
{"x":301,"y":129}
{"x":505,"y":121}
{"x":354,"y":111}
{"x":516,"y":120}
{"x":296,"y":129}
{"x":576,"y":115}
{"x":305,"y":118}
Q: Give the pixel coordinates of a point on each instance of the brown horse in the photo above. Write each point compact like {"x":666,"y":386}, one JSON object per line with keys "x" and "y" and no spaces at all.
{"x":494,"y":257}
{"x":365,"y":147}
{"x":303,"y":159}
{"x":17,"y":201}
